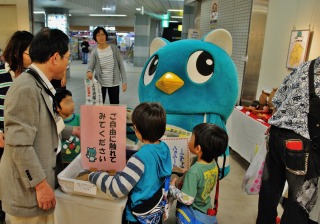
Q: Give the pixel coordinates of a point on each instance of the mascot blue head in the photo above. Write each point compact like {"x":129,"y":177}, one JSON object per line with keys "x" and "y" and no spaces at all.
{"x":191,"y":76}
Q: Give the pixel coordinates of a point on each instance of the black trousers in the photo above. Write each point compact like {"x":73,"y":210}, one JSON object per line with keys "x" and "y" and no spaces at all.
{"x":113,"y":93}
{"x":274,"y":176}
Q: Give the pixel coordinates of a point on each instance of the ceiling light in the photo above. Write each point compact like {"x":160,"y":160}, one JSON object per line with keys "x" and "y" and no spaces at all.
{"x":177,"y":17}
{"x":110,"y":15}
{"x":107,"y":8}
{"x":39,"y":12}
{"x":173,"y":21}
{"x":138,"y":9}
{"x":175,"y":10}
{"x":70,"y":14}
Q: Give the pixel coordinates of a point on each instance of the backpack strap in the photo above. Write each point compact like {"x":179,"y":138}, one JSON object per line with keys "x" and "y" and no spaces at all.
{"x":216,"y":197}
{"x":214,"y":210}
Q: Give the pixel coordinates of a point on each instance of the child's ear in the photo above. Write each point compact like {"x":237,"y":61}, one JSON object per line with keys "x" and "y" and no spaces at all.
{"x":198,"y":148}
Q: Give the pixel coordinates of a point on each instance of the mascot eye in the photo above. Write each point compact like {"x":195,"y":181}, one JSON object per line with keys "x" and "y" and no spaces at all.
{"x":150,"y":70}
{"x":200,"y":66}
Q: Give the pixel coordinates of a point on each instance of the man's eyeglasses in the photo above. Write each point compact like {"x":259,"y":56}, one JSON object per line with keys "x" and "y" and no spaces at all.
{"x":26,"y":53}
{"x":69,"y":59}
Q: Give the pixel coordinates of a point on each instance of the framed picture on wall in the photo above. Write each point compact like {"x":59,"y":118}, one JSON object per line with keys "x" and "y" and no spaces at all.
{"x":298,"y":48}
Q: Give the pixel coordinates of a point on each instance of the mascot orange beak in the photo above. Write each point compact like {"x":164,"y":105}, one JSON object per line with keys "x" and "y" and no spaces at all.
{"x":169,"y":83}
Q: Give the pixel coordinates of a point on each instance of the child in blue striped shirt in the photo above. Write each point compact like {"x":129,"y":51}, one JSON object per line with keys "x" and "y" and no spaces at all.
{"x":146,"y":169}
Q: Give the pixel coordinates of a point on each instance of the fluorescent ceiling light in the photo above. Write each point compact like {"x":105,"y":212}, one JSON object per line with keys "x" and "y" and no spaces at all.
{"x":39,"y":12}
{"x":173,"y":21}
{"x":175,"y":10}
{"x":110,"y":15}
{"x":70,"y":14}
{"x":107,"y":8}
{"x":176,"y":17}
{"x":138,"y":9}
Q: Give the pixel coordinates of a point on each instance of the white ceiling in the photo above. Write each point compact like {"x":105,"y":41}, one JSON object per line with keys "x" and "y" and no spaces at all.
{"x":82,"y":8}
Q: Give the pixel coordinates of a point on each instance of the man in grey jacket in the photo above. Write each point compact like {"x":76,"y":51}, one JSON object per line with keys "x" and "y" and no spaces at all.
{"x":28,"y":165}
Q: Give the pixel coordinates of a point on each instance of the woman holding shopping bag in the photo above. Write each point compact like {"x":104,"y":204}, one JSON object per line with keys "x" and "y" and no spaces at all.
{"x":106,"y":62}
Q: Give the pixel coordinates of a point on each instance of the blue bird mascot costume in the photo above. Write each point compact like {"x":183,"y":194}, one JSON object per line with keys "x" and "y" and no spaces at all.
{"x":196,"y":82}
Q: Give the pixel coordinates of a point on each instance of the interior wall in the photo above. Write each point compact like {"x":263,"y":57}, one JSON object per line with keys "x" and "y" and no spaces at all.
{"x":14,"y":15}
{"x":234,"y":16}
{"x":282,"y":17}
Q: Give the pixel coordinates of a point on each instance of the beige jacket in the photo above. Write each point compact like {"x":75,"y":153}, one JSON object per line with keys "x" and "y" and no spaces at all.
{"x":30,"y":146}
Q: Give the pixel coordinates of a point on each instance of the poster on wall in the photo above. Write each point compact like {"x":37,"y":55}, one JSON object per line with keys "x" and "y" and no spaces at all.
{"x":214,"y":14}
{"x":298,"y":48}
{"x":58,"y":21}
{"x":194,"y":34}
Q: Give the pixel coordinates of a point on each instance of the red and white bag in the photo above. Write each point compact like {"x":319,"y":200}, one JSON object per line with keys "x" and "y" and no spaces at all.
{"x":93,"y":92}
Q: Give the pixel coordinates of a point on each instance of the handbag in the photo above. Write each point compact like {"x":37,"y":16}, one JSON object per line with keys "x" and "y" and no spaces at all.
{"x":252,"y":178}
{"x":151,"y":210}
{"x":186,"y":214}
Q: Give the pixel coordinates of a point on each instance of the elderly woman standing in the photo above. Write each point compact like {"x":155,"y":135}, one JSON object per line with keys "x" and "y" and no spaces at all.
{"x":16,"y":56}
{"x":107,"y":64}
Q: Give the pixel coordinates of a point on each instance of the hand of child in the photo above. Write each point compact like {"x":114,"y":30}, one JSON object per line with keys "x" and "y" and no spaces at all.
{"x":173,"y":181}
{"x":76,"y":131}
{"x":184,"y":170}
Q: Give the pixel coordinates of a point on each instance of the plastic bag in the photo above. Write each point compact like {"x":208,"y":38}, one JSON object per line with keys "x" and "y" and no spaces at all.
{"x":93,"y":92}
{"x":252,"y":179}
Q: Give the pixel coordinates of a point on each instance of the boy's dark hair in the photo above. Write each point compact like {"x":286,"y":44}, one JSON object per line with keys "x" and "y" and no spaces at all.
{"x":46,"y":43}
{"x":96,"y":31}
{"x":13,"y":53}
{"x":150,"y":121}
{"x":212,"y":139}
{"x":60,"y":95}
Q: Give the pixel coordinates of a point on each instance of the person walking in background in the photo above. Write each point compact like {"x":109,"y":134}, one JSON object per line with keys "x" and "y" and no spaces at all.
{"x":29,"y":165}
{"x":107,"y":64}
{"x":293,"y":149}
{"x":85,"y":50}
{"x":16,"y":57}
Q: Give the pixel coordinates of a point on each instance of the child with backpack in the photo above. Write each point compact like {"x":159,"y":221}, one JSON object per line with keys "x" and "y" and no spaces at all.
{"x":146,"y":171}
{"x":208,"y":141}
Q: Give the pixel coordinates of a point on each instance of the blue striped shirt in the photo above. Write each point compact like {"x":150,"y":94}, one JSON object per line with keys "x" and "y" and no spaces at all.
{"x":5,"y":83}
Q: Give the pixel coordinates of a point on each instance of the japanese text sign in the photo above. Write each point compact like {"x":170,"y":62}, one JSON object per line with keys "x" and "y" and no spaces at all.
{"x":180,"y":154}
{"x":103,"y":137}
